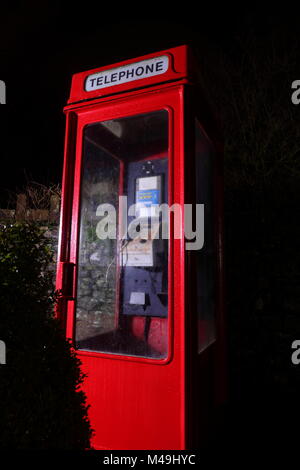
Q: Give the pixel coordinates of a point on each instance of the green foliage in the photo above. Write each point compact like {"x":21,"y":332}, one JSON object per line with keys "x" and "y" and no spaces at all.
{"x":41,"y":404}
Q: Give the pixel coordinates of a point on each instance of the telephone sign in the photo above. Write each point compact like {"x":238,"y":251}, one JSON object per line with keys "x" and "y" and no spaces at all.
{"x":127,"y":73}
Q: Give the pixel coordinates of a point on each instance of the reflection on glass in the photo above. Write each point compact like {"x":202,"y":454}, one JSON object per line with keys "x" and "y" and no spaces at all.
{"x":122,"y":285}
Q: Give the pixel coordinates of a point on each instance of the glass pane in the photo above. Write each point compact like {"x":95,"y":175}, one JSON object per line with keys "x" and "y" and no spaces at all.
{"x":122,"y":286}
{"x":206,"y":256}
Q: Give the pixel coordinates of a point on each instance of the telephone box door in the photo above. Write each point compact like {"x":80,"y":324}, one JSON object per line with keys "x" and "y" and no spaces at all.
{"x":125,"y":316}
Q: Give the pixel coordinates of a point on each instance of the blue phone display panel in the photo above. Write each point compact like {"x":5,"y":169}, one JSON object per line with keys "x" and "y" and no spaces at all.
{"x":147,"y":196}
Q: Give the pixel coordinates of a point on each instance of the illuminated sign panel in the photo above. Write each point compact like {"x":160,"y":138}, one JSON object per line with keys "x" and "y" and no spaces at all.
{"x":127,"y":73}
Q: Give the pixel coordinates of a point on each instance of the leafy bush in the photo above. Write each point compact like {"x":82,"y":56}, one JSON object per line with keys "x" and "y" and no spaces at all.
{"x":41,"y":404}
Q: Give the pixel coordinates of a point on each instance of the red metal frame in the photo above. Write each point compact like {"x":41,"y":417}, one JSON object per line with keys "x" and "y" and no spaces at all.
{"x":138,"y":403}
{"x":179,"y":68}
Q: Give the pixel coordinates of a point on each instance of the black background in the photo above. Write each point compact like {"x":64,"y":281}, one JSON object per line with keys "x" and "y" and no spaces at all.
{"x":43,"y":43}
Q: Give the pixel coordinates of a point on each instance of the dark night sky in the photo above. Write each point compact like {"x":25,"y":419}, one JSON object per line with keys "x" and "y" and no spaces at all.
{"x":42,"y":44}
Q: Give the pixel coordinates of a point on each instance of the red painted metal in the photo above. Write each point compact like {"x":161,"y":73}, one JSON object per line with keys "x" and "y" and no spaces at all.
{"x":179,"y":68}
{"x":136,"y":402}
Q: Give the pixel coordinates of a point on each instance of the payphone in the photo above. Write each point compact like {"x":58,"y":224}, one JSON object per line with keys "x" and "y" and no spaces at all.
{"x":142,"y":299}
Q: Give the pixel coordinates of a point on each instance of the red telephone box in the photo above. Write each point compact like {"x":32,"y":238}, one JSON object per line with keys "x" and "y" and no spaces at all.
{"x":140,"y":256}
